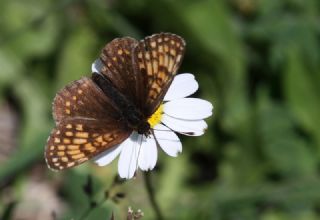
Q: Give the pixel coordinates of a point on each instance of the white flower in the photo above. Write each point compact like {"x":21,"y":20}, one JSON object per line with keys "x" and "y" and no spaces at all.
{"x":177,"y":113}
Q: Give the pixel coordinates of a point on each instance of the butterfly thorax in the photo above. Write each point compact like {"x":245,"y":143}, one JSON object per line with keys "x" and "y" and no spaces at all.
{"x":132,"y":117}
{"x":135,"y":119}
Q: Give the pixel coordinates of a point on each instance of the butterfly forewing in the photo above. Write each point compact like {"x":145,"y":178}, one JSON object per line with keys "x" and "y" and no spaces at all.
{"x":116,"y":58}
{"x":75,"y":141}
{"x":157,"y":58}
{"x":82,"y":98}
{"x":87,"y":123}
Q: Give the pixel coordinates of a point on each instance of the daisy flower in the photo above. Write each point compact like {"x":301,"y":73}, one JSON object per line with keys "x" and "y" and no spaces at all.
{"x":177,"y":114}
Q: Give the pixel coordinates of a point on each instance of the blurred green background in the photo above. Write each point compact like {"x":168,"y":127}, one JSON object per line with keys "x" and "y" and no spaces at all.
{"x":257,"y":61}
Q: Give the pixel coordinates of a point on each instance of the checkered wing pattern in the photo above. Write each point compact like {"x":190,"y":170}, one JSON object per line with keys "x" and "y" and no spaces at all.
{"x":87,"y":123}
{"x":77,"y":140}
{"x":82,"y":98}
{"x":157,"y":59}
{"x":116,"y":59}
{"x":90,"y":116}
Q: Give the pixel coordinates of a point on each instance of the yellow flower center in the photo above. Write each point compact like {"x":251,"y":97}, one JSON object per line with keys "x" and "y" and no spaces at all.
{"x":156,"y":117}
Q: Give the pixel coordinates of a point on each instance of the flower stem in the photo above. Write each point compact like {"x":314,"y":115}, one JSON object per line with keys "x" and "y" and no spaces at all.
{"x":90,"y":209}
{"x":116,"y":181}
{"x":151,"y":194}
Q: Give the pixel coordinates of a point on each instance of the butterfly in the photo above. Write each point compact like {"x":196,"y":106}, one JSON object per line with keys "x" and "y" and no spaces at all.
{"x":94,"y":114}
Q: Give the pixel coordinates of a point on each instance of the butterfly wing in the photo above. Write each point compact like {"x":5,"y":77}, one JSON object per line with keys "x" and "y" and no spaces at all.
{"x":142,"y":71}
{"x":75,"y":141}
{"x":83,"y":98}
{"x":87,"y":123}
{"x":157,"y":59}
{"x":115,"y":63}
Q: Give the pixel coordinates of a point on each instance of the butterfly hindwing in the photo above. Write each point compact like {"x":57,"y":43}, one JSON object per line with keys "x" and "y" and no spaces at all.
{"x":87,"y":123}
{"x":157,"y":58}
{"x":75,"y":141}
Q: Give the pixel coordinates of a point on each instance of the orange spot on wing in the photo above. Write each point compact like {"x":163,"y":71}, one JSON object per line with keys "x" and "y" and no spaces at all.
{"x":82,"y":134}
{"x":78,"y":156}
{"x":61,"y":147}
{"x":79,"y":141}
{"x":73,"y":147}
{"x":66,"y":141}
{"x":73,"y":152}
{"x":57,"y":140}
{"x":61,"y":153}
{"x":69,"y":133}
{"x":79,"y":127}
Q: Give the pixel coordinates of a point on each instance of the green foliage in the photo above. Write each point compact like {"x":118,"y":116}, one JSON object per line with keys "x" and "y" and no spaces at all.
{"x":257,"y":61}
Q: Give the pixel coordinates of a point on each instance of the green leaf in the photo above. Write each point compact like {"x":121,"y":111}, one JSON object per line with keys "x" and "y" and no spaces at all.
{"x":302,"y":93}
{"x":287,"y":152}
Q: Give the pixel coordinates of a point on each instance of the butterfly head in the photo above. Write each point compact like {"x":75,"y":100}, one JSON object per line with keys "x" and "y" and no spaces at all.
{"x":143,"y":128}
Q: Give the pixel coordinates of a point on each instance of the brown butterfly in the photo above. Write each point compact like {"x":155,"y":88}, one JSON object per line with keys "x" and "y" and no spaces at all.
{"x":96,"y":113}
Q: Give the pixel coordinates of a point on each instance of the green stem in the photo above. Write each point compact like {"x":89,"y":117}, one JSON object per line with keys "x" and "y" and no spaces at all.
{"x":151,"y":194}
{"x":116,"y":181}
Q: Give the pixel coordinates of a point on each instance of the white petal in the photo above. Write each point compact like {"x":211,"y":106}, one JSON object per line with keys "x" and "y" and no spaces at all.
{"x":127,"y":164}
{"x":187,"y":127}
{"x":148,"y":154}
{"x":182,"y":86}
{"x":168,"y":140}
{"x":188,"y":108}
{"x":108,"y":156}
{"x":97,"y":66}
